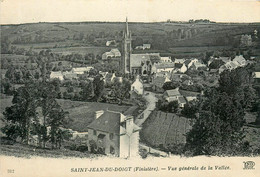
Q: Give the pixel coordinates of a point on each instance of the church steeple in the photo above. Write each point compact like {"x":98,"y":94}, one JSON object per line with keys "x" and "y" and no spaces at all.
{"x":126,"y":50}
{"x":126,"y":28}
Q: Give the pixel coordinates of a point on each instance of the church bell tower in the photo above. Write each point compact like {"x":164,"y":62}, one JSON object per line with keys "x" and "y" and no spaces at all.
{"x":126,"y":50}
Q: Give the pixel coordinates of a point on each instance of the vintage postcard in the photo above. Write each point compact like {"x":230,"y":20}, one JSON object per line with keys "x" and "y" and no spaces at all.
{"x":130,"y":88}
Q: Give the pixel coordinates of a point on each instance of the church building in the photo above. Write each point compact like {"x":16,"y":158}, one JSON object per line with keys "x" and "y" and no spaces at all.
{"x":136,"y":64}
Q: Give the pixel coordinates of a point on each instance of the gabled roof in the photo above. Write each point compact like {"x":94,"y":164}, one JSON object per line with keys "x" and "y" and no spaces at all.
{"x":164,"y":65}
{"x":107,"y":122}
{"x":240,"y":59}
{"x":188,"y":93}
{"x":159,"y":80}
{"x":173,"y":92}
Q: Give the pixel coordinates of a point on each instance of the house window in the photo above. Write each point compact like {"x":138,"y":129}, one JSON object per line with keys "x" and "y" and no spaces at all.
{"x":112,"y":150}
{"x":111,"y":136}
{"x":94,"y":132}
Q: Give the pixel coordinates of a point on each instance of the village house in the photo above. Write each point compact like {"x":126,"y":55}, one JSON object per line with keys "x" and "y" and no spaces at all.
{"x":70,"y":75}
{"x":256,"y":76}
{"x":113,"y":133}
{"x":171,"y":95}
{"x":179,"y":67}
{"x":238,"y":61}
{"x":56,"y":75}
{"x":181,"y":61}
{"x":174,"y":95}
{"x":163,"y":67}
{"x":188,"y":63}
{"x":137,"y":86}
{"x":143,"y":47}
{"x":111,"y":43}
{"x":113,"y":53}
{"x":166,"y":60}
{"x":158,"y":83}
{"x":189,"y":95}
{"x":81,"y":70}
{"x":109,"y":78}
{"x":224,"y":59}
{"x":198,"y":65}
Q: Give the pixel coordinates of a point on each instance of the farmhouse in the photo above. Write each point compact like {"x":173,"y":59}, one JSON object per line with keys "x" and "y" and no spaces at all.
{"x":143,"y":47}
{"x":166,"y":60}
{"x":158,"y":83}
{"x":113,"y":53}
{"x":81,"y":70}
{"x":56,"y":75}
{"x":171,"y":95}
{"x":114,"y":133}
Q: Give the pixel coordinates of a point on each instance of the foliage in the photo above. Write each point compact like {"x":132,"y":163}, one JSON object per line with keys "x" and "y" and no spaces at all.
{"x":170,"y":85}
{"x":218,"y":128}
{"x":190,"y":109}
{"x":165,"y":106}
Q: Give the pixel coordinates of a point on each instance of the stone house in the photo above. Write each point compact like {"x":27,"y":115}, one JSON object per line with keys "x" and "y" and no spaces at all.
{"x":113,"y":133}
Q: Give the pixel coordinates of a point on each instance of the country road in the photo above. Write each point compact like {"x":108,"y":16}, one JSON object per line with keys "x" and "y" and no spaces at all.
{"x":151,"y":102}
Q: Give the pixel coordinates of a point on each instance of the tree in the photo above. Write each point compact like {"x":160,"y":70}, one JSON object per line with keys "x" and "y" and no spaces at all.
{"x":170,"y":85}
{"x":56,"y":120}
{"x":218,"y":128}
{"x":19,"y":116}
{"x":190,"y":109}
{"x":98,"y":86}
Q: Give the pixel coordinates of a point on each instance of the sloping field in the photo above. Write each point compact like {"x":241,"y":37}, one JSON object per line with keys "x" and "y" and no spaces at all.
{"x":83,"y":113}
{"x":164,"y":129}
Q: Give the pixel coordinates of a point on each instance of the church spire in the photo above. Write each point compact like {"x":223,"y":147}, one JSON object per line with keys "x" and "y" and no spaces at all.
{"x":127,"y":31}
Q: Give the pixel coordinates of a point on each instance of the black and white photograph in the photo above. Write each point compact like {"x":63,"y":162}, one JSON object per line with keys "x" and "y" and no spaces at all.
{"x":123,"y":88}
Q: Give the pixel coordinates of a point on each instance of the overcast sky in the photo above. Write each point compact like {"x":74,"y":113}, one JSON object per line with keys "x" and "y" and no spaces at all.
{"x":27,"y":11}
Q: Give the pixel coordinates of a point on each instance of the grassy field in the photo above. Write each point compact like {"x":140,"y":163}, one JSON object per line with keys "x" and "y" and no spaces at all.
{"x":83,"y":113}
{"x":20,"y":150}
{"x":162,"y":129}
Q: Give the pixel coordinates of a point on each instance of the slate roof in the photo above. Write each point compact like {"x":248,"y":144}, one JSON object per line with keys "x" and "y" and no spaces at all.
{"x":136,"y":59}
{"x":107,"y":122}
{"x":159,"y":81}
{"x":173,"y":92}
{"x":164,"y":65}
{"x":188,"y":93}
{"x":181,"y":99}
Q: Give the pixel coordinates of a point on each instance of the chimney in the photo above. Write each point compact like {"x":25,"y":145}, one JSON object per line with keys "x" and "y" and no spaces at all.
{"x":129,"y":125}
{"x":98,"y":114}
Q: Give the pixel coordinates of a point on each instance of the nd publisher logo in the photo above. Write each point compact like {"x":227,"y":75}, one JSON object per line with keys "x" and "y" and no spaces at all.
{"x":249,"y":165}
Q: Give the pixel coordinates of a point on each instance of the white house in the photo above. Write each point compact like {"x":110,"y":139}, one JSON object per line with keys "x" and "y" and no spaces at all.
{"x":81,"y":70}
{"x":56,"y":75}
{"x":137,"y":86}
{"x":240,"y":60}
{"x":113,"y":53}
{"x":180,"y":67}
{"x":166,"y":60}
{"x":182,"y":60}
{"x":162,"y":67}
{"x":113,"y":133}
